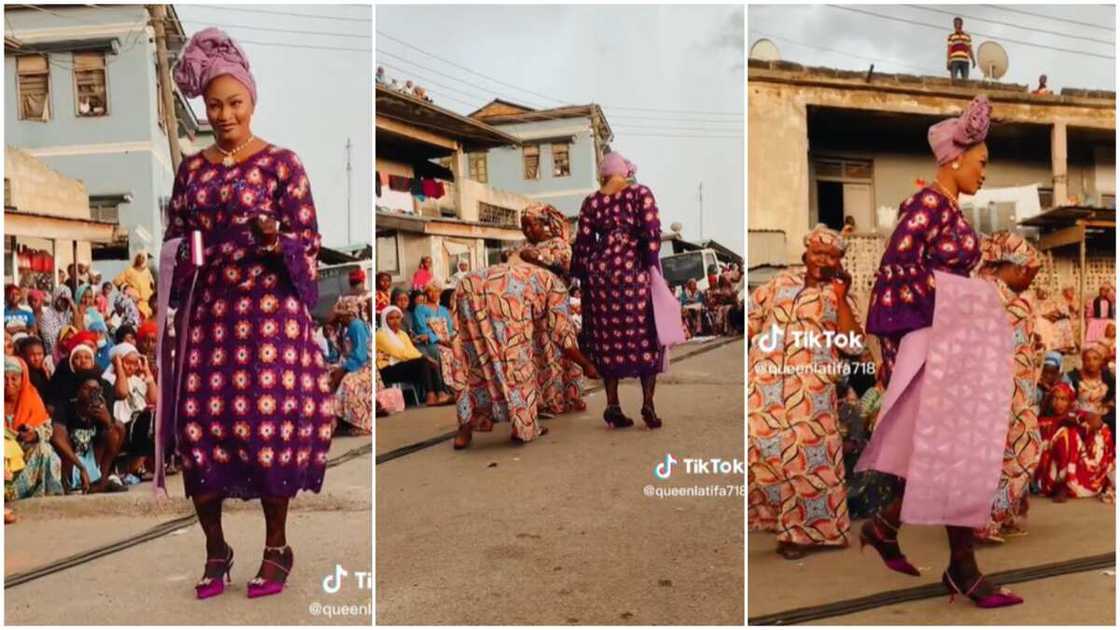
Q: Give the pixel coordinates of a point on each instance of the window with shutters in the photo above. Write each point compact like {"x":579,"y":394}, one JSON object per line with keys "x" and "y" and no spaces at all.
{"x":531,"y":155}
{"x":561,"y":166}
{"x":34,"y":79}
{"x":90,"y":85}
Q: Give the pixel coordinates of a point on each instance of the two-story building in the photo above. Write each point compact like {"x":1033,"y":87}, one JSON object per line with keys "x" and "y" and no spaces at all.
{"x":556,"y":160}
{"x":425,"y":203}
{"x":840,"y":144}
{"x":83,"y":98}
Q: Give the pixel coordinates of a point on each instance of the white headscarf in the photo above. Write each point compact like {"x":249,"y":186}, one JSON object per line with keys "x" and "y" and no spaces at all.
{"x":392,"y":337}
{"x":120,"y":350}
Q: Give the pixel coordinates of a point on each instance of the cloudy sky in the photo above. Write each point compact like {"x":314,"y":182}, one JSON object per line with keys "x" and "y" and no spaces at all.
{"x":1074,"y":45}
{"x":314,"y":78}
{"x":670,"y":80}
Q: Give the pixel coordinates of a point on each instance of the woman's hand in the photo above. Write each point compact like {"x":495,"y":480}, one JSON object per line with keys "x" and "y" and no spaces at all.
{"x":84,"y":477}
{"x":267,"y":229}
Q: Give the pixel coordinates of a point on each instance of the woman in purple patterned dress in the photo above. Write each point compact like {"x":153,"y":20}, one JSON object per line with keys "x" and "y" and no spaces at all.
{"x":931,"y":234}
{"x":619,"y":241}
{"x":253,"y":415}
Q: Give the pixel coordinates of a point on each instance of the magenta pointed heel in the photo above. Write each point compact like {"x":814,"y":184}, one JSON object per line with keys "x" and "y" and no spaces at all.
{"x":209,"y":587}
{"x":869,"y":537}
{"x":1000,"y":599}
{"x":260,"y":587}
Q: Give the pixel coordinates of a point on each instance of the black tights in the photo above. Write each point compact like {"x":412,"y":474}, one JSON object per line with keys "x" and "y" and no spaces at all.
{"x":649,"y":384}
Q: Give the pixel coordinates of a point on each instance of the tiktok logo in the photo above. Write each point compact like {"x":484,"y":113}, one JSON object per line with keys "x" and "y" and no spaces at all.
{"x":768,"y":342}
{"x":333,"y":583}
{"x":664,"y":470}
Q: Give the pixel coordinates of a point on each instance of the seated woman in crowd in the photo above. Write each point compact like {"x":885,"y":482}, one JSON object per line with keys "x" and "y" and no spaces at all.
{"x":125,"y":309}
{"x":1050,"y":376}
{"x":720,"y":301}
{"x":402,"y":301}
{"x":692,"y":307}
{"x":1094,"y":383}
{"x":133,"y":405}
{"x":354,"y":378}
{"x":87,"y":308}
{"x":34,"y":467}
{"x":400,"y":362}
{"x":431,"y":324}
{"x":103,"y":344}
{"x":57,"y":316}
{"x":146,"y":342}
{"x":125,"y":333}
{"x":1078,"y":454}
{"x":33,"y":353}
{"x":104,"y":299}
{"x":384,"y":282}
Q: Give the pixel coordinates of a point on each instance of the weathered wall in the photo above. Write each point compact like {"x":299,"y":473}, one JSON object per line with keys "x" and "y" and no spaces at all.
{"x":37,"y":189}
{"x":779,"y":192}
{"x":778,"y":169}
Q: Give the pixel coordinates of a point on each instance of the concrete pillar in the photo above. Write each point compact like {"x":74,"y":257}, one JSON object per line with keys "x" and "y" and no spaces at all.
{"x":778,"y":171}
{"x":457,"y":167}
{"x":1058,"y":162}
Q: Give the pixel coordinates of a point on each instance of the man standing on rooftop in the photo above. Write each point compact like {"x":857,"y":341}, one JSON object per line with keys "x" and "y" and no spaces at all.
{"x":959,"y":53}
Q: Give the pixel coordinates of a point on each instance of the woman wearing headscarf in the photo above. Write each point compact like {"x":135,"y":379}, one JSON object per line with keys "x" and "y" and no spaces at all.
{"x":56,"y":316}
{"x":139,"y":277}
{"x":1010,"y":263}
{"x":37,"y":470}
{"x":938,"y":354}
{"x":1073,"y":311}
{"x":254,"y":417}
{"x":87,"y":308}
{"x":400,"y":362}
{"x":1095,"y":384}
{"x":1079,"y":459}
{"x":614,"y":258}
{"x":511,"y":320}
{"x":355,"y":375}
{"x":795,"y":453}
{"x":126,"y":309}
{"x":401,"y":300}
{"x":560,"y":379}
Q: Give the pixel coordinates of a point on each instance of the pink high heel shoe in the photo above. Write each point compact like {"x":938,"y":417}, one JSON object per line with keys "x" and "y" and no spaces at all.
{"x":209,"y":587}
{"x":260,"y":587}
{"x":874,"y":538}
{"x":999,"y":599}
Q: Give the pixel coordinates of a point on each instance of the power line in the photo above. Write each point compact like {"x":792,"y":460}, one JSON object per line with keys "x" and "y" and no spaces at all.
{"x":846,"y":54}
{"x":316,"y":16}
{"x":428,"y":81}
{"x":939,"y":28}
{"x":475,"y":72}
{"x":660,"y":135}
{"x":527,"y":91}
{"x":1018,"y":26}
{"x":1110,"y":29}
{"x":274,"y":30}
{"x":434,"y":71}
{"x":286,"y":45}
{"x":669,"y":128}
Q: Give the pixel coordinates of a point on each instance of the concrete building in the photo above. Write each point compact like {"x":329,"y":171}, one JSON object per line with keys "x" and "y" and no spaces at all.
{"x":557,"y":160}
{"x":47,"y":222}
{"x":826,"y":144}
{"x":837,"y":144}
{"x":469,"y":222}
{"x":84,"y":99}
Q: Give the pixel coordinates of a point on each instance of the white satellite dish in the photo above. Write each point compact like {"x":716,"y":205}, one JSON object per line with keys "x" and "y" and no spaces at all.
{"x":992,"y":59}
{"x":765,"y":50}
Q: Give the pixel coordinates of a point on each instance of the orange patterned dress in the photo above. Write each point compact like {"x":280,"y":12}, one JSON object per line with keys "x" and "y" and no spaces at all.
{"x":512,"y":325}
{"x":795,"y":454}
{"x":1024,"y":441}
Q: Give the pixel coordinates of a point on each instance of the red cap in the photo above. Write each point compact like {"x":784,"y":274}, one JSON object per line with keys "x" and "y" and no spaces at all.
{"x":357,"y":276}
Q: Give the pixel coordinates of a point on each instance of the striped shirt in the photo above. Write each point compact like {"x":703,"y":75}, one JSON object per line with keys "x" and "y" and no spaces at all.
{"x":960,"y":46}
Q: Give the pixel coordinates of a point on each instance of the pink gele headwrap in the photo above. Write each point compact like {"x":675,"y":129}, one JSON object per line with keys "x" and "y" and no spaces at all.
{"x":210,"y":54}
{"x":952,"y":137}
{"x":614,"y":164}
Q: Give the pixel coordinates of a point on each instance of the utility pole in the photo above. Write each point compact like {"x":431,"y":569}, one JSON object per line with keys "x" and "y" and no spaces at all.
{"x":349,"y":187}
{"x":701,"y":211}
{"x":158,"y":13}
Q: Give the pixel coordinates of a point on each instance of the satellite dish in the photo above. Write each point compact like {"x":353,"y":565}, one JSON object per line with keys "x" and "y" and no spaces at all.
{"x":992,"y":59}
{"x":765,"y":50}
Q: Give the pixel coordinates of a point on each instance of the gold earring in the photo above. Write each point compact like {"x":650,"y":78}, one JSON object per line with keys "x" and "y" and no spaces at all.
{"x":956,"y":166}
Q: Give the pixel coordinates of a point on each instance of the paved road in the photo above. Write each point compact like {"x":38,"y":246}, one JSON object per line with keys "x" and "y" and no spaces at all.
{"x":152,"y":583}
{"x":1056,"y":533}
{"x":559,"y":531}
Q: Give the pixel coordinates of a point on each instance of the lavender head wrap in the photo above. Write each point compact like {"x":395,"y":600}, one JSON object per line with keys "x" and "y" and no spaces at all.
{"x":950,"y":138}
{"x":208,"y":55}
{"x":614,"y":164}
